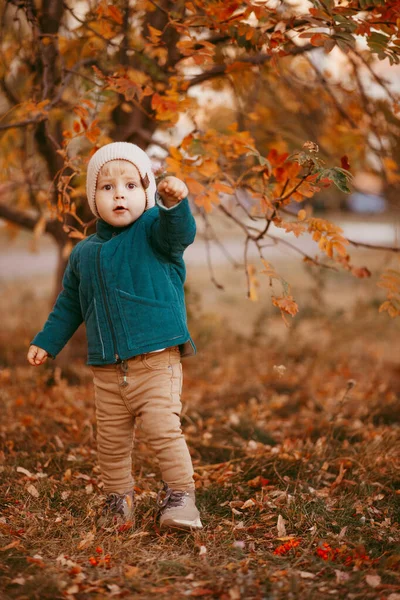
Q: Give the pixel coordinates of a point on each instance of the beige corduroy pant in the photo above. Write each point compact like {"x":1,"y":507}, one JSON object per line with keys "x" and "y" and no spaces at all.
{"x":143,"y":391}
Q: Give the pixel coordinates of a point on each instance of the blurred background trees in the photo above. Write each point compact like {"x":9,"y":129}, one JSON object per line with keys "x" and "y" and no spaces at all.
{"x":263,"y":103}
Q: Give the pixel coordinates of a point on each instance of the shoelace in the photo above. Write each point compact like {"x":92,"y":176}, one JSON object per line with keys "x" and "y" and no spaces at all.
{"x":114,"y":503}
{"x":172,"y":498}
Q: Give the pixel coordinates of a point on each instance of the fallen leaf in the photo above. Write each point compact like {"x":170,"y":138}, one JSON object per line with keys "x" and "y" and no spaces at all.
{"x":236,"y":503}
{"x":33,"y":491}
{"x":258,"y":481}
{"x":59,"y":442}
{"x":67,"y":475}
{"x":339,"y":478}
{"x":115,"y":590}
{"x":280,"y":370}
{"x":13,"y":544}
{"x":373,"y":580}
{"x":249,"y":503}
{"x":306,"y":575}
{"x":341,"y":576}
{"x":131,"y":571}
{"x":342,"y":532}
{"x":73,"y":589}
{"x":281,"y":526}
{"x":86,"y":541}
{"x":25,"y":472}
{"x":36,"y":560}
{"x":234,"y":593}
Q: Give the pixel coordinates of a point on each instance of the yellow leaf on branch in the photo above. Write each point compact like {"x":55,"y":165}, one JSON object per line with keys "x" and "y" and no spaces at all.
{"x":253,"y":283}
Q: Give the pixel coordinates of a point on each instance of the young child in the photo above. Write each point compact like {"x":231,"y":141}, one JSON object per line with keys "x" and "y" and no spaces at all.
{"x":126,"y":282}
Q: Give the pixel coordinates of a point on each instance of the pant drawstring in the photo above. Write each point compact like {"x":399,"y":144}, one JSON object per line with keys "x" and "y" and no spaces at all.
{"x":124,"y":368}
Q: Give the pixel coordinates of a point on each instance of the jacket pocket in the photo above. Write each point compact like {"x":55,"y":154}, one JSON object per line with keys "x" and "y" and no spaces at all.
{"x":146,"y":320}
{"x":93,"y":332}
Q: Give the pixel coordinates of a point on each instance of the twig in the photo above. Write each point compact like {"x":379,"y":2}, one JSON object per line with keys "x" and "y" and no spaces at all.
{"x":371,"y":116}
{"x":161,"y":8}
{"x":353,"y":242}
{"x":237,"y":221}
{"x":246,"y":267}
{"x":332,"y":95}
{"x":84,"y":23}
{"x":82,"y":75}
{"x":373,"y":247}
{"x":378,"y":79}
{"x":296,"y":249}
{"x":218,"y":242}
{"x":23,"y":123}
{"x":259,"y":59}
{"x":208,"y":253}
{"x":66,"y":81}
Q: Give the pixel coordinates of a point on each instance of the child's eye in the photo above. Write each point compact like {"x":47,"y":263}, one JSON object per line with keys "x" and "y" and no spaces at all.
{"x":107,"y":186}
{"x":131,"y":185}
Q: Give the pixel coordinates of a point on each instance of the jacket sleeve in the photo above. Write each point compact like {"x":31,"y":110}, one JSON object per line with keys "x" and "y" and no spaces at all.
{"x":173,"y":229}
{"x":66,"y":315}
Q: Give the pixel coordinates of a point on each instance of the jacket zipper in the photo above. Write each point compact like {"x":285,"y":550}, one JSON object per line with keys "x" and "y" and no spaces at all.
{"x":98,"y":328}
{"x":104,"y":294}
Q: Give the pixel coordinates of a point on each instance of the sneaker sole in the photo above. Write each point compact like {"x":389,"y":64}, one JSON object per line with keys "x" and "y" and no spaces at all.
{"x":196,"y":524}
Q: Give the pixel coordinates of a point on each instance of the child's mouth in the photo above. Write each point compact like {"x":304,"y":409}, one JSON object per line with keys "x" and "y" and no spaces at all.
{"x":120,"y":209}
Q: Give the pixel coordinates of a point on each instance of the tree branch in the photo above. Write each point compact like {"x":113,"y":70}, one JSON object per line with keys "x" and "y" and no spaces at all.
{"x":19,"y":124}
{"x":86,"y":26}
{"x":335,"y":101}
{"x":299,"y":251}
{"x":27,"y":221}
{"x":378,"y":79}
{"x":373,"y":246}
{"x":260,"y":59}
{"x":9,"y":94}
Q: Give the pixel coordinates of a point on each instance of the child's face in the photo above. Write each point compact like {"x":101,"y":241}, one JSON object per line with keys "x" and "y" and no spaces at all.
{"x":120,"y":196}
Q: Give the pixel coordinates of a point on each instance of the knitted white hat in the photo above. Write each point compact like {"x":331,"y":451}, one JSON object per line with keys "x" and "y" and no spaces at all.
{"x":120,"y":151}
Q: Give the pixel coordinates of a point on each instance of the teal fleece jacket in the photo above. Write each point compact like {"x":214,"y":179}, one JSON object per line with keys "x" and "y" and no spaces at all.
{"x":126,"y":283}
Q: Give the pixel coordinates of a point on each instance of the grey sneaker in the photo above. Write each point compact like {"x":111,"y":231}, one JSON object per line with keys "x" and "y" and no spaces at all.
{"x":117,"y":509}
{"x":178,"y":509}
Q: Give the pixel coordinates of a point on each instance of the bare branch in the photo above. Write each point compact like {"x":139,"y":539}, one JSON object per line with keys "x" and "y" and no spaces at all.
{"x":378,"y":79}
{"x":19,"y":124}
{"x":299,"y":251}
{"x":246,"y":265}
{"x":373,"y":246}
{"x":9,"y":94}
{"x":86,"y":26}
{"x":259,"y":59}
{"x":374,"y":127}
{"x":214,"y":237}
{"x":82,"y":63}
{"x":27,"y":221}
{"x":328,"y":90}
{"x":237,"y":221}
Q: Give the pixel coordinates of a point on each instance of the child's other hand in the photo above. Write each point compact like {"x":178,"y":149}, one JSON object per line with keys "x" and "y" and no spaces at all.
{"x":36,"y":356}
{"x":172,"y":190}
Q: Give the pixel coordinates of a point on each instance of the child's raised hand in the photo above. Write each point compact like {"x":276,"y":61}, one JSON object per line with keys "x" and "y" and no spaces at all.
{"x":172,"y":190}
{"x":36,"y":356}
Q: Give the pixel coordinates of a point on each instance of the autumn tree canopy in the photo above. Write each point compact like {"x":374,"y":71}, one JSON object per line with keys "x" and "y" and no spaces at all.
{"x":281,"y":124}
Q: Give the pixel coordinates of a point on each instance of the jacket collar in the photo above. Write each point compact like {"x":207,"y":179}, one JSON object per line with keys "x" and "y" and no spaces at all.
{"x":105,"y":231}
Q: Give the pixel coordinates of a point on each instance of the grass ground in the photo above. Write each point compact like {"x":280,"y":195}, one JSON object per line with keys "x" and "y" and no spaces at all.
{"x":294,"y":437}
